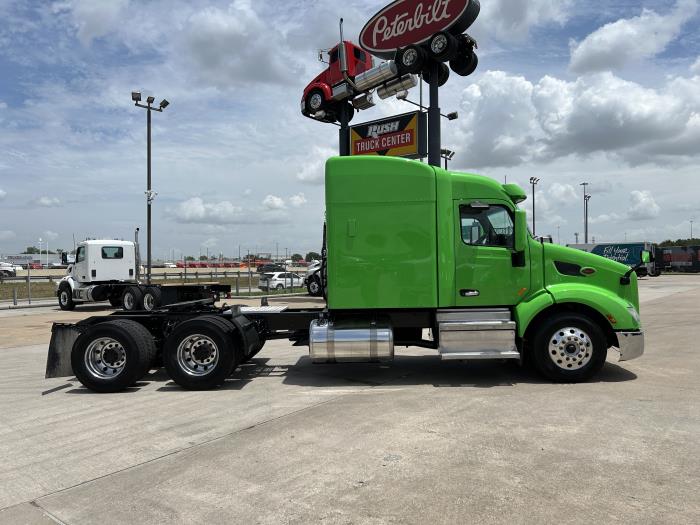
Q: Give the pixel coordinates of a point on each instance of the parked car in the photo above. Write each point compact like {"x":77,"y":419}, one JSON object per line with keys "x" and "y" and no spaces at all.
{"x":280,"y":281}
{"x":169,"y":265}
{"x":7,"y":270}
{"x":312,"y":281}
{"x":270,"y":268}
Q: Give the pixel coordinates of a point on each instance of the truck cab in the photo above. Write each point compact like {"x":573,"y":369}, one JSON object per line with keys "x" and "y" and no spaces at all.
{"x":100,"y":261}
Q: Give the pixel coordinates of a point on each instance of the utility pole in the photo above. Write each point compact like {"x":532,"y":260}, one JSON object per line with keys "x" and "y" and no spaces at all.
{"x":533,"y":181}
{"x":692,"y":219}
{"x":576,"y":235}
{"x":585,"y":211}
{"x":150,"y":194}
{"x":558,"y":236}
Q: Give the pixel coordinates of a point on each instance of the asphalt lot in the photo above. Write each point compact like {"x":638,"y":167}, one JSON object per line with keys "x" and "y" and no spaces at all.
{"x":418,"y":441}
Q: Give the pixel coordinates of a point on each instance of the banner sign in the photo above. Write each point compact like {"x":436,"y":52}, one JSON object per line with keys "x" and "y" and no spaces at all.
{"x":399,"y":136}
{"x":17,"y":259}
{"x":406,"y":22}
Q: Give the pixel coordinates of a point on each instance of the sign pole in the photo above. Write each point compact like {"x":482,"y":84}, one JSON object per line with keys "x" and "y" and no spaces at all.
{"x":344,"y":133}
{"x":434,"y":142}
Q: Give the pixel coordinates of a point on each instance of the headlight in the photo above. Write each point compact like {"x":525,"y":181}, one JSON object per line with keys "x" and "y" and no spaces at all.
{"x":635,"y":314}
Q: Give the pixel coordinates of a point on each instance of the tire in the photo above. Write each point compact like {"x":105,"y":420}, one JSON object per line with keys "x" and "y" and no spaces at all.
{"x":313,"y":286}
{"x":443,"y":76}
{"x":568,"y":348}
{"x":115,"y":301}
{"x":410,"y":59}
{"x":280,"y":287}
{"x":315,"y":101}
{"x":132,"y":299}
{"x":443,"y":46}
{"x":152,"y":298}
{"x":464,"y":65}
{"x":210,"y":367}
{"x":123,"y":343}
{"x":65,"y":297}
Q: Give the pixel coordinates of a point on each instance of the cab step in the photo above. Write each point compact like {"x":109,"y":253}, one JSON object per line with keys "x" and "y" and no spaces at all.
{"x":477,"y":334}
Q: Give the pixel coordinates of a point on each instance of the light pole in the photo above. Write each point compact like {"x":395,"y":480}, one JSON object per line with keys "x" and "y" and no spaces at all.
{"x":558,"y":236}
{"x":150,"y":194}
{"x":403,"y":95}
{"x":692,"y":219}
{"x":585,"y":211}
{"x":533,"y":181}
{"x":41,"y":242}
{"x":447,"y":155}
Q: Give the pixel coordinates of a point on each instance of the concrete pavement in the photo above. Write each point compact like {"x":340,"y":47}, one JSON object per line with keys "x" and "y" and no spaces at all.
{"x":416,"y":441}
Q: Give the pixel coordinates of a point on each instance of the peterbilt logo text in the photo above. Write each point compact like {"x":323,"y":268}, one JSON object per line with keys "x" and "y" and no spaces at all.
{"x":375,"y":130}
{"x":404,"y":22}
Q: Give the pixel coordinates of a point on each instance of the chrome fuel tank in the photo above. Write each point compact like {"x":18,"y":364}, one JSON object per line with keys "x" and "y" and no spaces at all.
{"x":350,"y":341}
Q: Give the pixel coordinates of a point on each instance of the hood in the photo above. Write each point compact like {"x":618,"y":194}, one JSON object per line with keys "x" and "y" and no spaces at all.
{"x":569,"y":265}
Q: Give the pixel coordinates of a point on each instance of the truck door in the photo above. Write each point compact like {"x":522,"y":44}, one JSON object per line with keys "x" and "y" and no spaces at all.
{"x":485,"y":273}
{"x":80,"y":266}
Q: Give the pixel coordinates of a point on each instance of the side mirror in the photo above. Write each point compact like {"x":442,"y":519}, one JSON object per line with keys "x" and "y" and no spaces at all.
{"x":646,"y":257}
{"x":520,"y":230}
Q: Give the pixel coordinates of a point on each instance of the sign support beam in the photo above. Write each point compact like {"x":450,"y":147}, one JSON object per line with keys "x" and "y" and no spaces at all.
{"x":344,"y":133}
{"x":434,"y":139}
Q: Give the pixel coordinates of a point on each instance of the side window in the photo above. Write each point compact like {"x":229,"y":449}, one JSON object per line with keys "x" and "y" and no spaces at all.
{"x":112,"y":252}
{"x":359,"y":55}
{"x":334,"y":55}
{"x":492,"y":226}
{"x":80,"y":254}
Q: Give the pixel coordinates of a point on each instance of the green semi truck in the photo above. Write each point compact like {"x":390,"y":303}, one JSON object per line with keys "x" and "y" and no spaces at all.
{"x":414,"y":256}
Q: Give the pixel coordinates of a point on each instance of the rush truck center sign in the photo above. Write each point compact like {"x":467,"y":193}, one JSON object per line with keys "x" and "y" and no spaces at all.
{"x":406,"y":22}
{"x":399,"y":136}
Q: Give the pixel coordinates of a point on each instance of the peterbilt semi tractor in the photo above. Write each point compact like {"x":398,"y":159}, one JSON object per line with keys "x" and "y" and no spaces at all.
{"x":107,"y":270}
{"x":415,"y":256}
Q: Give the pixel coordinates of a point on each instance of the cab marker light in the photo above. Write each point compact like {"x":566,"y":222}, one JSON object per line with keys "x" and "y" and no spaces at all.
{"x":611,"y":318}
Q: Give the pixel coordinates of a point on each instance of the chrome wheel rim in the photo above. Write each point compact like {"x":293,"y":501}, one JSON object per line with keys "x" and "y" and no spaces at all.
{"x":64,"y":298}
{"x":313,"y":287}
{"x":409,"y":57}
{"x":105,"y":358}
{"x":438,"y":44}
{"x":149,"y":302}
{"x":315,"y":101}
{"x":570,"y":348}
{"x":128,"y":301}
{"x":197,"y":355}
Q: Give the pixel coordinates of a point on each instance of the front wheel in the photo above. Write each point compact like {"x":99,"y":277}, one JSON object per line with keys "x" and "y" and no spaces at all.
{"x":65,"y":298}
{"x":569,"y":348}
{"x":315,"y":101}
{"x":313,"y":286}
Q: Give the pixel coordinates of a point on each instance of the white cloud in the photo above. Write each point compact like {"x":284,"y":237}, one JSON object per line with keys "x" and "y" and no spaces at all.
{"x":509,"y":120}
{"x":3,"y":194}
{"x":47,"y":202}
{"x":195,"y":210}
{"x":563,"y":194}
{"x":210,"y":242}
{"x":247,"y":192}
{"x":313,"y":168}
{"x":630,"y":39}
{"x":52,"y":236}
{"x":272,"y":202}
{"x":6,"y":235}
{"x":513,"y":19}
{"x":298,"y":200}
{"x":643,"y":206}
{"x":695,"y":68}
{"x":94,"y":19}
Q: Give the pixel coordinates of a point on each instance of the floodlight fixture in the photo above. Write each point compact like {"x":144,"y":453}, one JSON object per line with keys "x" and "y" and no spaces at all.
{"x":164,"y":104}
{"x":136,"y":96}
{"x":151,"y":100}
{"x":453,"y":116}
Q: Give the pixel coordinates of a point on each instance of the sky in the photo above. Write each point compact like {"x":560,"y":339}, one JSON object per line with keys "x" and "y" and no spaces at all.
{"x":568,"y":91}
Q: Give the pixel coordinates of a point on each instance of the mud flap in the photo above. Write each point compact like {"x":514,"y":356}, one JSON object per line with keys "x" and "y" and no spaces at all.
{"x":58,"y":360}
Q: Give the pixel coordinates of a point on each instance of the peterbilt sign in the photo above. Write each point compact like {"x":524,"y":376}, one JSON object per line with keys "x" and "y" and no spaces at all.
{"x":399,"y":136}
{"x":406,"y":22}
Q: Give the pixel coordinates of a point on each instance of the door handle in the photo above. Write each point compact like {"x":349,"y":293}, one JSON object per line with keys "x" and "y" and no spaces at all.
{"x":469,"y":293}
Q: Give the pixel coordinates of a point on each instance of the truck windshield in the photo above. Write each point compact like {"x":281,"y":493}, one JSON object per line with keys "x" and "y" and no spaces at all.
{"x":112,"y":252}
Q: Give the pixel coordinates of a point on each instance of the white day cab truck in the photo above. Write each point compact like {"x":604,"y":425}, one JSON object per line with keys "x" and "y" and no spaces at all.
{"x":107,"y":270}
{"x":410,"y":249}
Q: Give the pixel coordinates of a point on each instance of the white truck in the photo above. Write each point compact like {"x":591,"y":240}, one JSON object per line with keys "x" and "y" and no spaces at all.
{"x":107,"y":270}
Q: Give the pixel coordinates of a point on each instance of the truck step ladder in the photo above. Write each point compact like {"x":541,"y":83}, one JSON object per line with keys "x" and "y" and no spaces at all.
{"x":477,"y":334}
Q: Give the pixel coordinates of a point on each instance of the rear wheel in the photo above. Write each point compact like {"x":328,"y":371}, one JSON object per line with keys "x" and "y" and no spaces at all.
{"x":151,"y":298}
{"x":569,"y":348}
{"x":443,"y":73}
{"x":410,"y":59}
{"x":443,"y":46}
{"x":464,"y":65}
{"x":132,"y":299}
{"x":313,"y":286}
{"x":65,"y":297}
{"x":200,"y":353}
{"x":112,"y":356}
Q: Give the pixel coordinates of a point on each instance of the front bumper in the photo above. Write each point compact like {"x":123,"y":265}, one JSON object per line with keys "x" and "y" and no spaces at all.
{"x":631,"y":345}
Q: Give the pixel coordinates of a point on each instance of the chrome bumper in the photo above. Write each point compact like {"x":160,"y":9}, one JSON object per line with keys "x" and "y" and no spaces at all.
{"x":631,"y":345}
